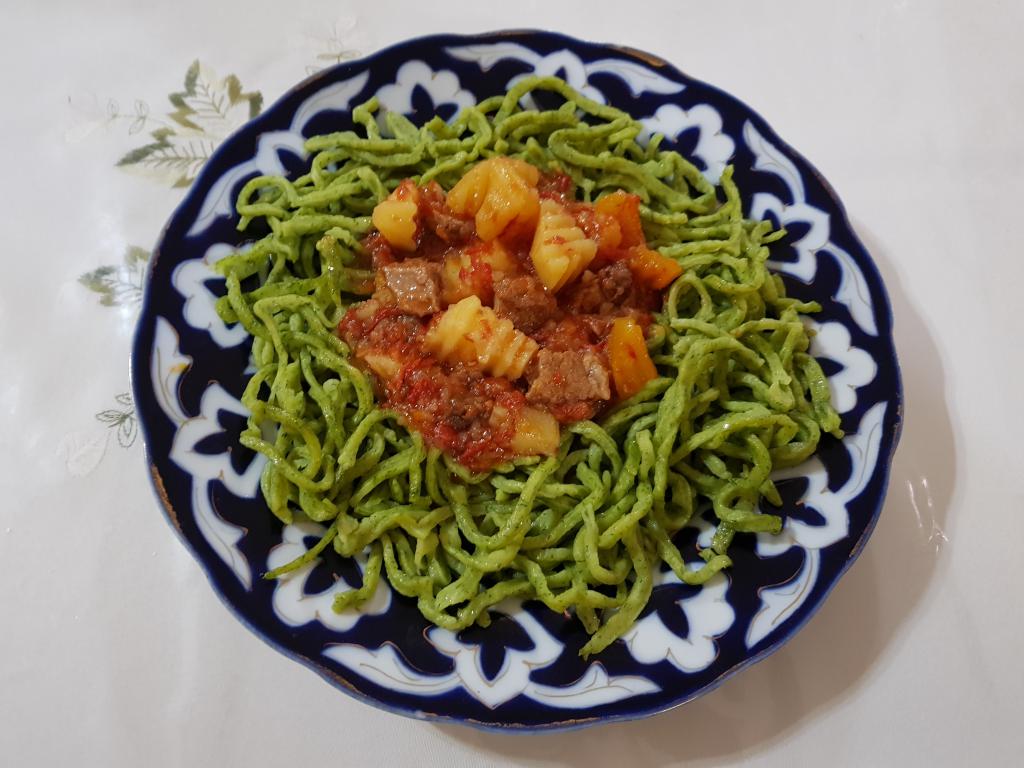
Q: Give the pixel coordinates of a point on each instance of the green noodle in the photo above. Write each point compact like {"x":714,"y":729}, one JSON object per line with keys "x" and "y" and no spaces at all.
{"x":738,"y":394}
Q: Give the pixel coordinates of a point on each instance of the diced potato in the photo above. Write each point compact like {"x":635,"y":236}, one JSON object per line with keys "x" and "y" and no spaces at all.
{"x":500,"y":193}
{"x":407,"y":190}
{"x":497,"y":257}
{"x":396,"y":221}
{"x":560,"y":251}
{"x":453,"y":287}
{"x":461,"y":274}
{"x":536,"y":433}
{"x":397,"y":216}
{"x":471,"y":333}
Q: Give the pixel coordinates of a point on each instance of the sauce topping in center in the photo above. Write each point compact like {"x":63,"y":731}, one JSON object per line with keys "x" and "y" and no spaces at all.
{"x":505,"y":308}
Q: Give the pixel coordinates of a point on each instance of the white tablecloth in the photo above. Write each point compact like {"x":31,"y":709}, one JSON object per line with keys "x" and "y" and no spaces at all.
{"x":113,"y":648}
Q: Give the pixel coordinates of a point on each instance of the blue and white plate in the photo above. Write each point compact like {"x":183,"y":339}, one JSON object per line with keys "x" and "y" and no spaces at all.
{"x":523,"y":672}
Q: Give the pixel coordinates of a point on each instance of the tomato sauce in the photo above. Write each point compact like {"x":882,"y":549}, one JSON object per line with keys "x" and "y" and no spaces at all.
{"x":468,"y":416}
{"x":456,"y":407}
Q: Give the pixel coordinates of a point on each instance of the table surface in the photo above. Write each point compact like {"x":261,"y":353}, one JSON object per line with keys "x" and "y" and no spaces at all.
{"x":115,"y":651}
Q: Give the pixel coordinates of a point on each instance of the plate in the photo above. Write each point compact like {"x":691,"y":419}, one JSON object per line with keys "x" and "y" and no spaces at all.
{"x":523,"y":672}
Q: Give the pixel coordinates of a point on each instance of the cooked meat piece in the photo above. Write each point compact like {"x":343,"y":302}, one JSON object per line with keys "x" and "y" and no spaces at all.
{"x":371,"y":327}
{"x":525,"y":302}
{"x":584,"y":296}
{"x":413,"y":285}
{"x":602,"y":291}
{"x":396,"y":335}
{"x":567,"y":334}
{"x":568,"y":377}
{"x":441,"y":221}
{"x":616,"y":281}
{"x":598,"y":325}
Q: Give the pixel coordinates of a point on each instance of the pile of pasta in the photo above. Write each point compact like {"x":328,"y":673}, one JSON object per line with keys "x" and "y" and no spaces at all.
{"x":735,"y":396}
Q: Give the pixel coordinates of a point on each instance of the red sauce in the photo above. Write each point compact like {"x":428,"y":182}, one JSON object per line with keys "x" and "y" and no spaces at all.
{"x":556,"y":186}
{"x":386,"y":330}
{"x":456,"y":407}
{"x":379,"y":251}
{"x":566,"y":334}
{"x":453,"y":407}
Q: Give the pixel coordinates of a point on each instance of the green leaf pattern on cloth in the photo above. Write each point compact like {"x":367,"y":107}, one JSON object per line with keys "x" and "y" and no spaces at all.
{"x":204,"y":114}
{"x":119,"y":285}
{"x":121,"y":419}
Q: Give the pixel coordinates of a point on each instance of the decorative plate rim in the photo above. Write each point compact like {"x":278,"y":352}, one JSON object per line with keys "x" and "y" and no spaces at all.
{"x":139,"y":361}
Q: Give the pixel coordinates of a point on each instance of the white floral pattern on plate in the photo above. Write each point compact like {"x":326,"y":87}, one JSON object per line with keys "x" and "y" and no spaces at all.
{"x":708,"y":615}
{"x":780,"y":602}
{"x":200,"y":311}
{"x":205,"y":468}
{"x":832,"y":341}
{"x":569,"y":67}
{"x":385,"y":666}
{"x":853,"y":290}
{"x":713,"y":147}
{"x":442,"y":87}
{"x":295,"y":606}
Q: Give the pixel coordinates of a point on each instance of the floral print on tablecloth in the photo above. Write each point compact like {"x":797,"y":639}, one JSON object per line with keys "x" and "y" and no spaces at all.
{"x":205,"y":111}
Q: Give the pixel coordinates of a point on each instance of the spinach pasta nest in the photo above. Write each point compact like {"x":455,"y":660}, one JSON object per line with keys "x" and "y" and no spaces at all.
{"x":511,"y":356}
